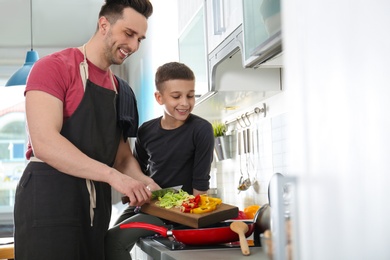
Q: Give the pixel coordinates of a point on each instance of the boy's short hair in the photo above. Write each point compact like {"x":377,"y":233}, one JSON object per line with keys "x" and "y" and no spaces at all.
{"x":171,"y":71}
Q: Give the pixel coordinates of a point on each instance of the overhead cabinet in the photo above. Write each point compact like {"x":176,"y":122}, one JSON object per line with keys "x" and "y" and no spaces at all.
{"x":211,"y":23}
{"x":228,"y":73}
{"x":262,"y":33}
{"x":193,"y":51}
{"x":223,"y":17}
{"x":232,"y":86}
{"x":231,"y":45}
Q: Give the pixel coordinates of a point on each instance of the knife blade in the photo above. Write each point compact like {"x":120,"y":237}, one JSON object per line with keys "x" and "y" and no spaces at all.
{"x":156,"y":193}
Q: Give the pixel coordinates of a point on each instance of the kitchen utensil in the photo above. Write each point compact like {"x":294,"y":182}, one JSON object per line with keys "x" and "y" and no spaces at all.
{"x":241,"y":228}
{"x":256,"y":155}
{"x":156,"y":193}
{"x":273,"y":179}
{"x":262,"y":222}
{"x":200,"y":236}
{"x":243,"y":183}
{"x":248,"y":156}
{"x":223,"y":212}
{"x":263,"y":218}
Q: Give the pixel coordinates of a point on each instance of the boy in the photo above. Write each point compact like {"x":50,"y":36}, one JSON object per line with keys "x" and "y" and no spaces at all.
{"x":174,"y":149}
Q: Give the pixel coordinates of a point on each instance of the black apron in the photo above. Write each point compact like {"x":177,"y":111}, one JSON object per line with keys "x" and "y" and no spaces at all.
{"x":53,"y":217}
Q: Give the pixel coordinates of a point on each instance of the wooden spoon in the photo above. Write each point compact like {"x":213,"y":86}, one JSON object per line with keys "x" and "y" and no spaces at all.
{"x":241,"y":228}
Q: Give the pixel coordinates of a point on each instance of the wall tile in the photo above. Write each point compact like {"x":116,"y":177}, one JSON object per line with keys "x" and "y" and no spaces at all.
{"x":267,"y":158}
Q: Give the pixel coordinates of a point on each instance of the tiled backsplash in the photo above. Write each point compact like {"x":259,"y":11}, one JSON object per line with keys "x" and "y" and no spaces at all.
{"x":267,"y":158}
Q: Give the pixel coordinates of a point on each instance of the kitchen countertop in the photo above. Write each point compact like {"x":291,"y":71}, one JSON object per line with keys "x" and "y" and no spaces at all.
{"x":160,"y":252}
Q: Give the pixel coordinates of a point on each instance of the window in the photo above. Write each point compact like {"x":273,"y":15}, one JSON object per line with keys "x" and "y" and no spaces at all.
{"x":13,"y":140}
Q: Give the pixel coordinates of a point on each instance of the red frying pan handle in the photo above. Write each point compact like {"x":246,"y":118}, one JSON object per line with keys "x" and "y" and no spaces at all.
{"x":159,"y":229}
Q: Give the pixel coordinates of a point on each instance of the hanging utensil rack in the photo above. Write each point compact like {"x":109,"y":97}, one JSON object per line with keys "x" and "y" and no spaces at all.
{"x":245,"y":117}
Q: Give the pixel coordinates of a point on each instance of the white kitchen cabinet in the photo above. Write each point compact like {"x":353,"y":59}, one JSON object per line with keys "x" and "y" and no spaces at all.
{"x":204,"y":25}
{"x":223,"y":17}
{"x":262,"y":37}
{"x":193,"y":50}
{"x":186,"y":11}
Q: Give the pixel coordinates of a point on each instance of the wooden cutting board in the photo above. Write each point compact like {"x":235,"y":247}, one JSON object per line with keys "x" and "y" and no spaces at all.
{"x":223,"y":212}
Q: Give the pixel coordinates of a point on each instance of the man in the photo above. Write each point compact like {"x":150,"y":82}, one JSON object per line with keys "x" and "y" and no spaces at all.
{"x":79,"y":117}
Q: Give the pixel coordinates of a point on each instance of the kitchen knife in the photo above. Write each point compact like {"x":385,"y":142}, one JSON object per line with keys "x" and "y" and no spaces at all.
{"x":156,"y":193}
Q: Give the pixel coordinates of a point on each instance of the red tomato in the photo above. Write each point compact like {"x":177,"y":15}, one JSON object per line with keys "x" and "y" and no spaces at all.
{"x":241,"y":215}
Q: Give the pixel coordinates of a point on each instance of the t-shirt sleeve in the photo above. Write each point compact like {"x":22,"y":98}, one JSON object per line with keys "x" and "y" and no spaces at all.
{"x":49,"y":75}
{"x":140,"y":153}
{"x":204,"y":142}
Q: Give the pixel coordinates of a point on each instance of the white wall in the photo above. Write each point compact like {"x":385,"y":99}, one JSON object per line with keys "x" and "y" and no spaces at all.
{"x":336,"y":79}
{"x":160,"y":46}
{"x":269,"y":155}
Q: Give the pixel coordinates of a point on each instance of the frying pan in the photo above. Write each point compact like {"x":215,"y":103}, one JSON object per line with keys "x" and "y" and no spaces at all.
{"x":198,"y":236}
{"x":263,"y":222}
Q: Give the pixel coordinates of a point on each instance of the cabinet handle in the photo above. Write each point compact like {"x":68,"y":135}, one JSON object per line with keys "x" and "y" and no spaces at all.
{"x":219,"y":18}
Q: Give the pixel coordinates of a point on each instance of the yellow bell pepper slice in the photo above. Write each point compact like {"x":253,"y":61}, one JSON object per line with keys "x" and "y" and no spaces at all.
{"x":206,"y":204}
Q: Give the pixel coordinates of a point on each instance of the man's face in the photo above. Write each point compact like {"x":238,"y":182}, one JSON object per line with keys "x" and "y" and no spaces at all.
{"x":124,"y":36}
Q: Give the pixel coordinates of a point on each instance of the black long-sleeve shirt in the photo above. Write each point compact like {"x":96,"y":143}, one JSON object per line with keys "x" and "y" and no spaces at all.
{"x":180,"y":156}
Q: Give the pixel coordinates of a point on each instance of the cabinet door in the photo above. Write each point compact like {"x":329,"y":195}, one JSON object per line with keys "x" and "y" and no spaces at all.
{"x":262,"y":30}
{"x":193,"y":51}
{"x":186,"y":11}
{"x":223,"y":17}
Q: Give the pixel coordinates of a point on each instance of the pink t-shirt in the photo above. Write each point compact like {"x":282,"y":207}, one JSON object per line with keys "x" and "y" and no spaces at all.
{"x":59,"y":75}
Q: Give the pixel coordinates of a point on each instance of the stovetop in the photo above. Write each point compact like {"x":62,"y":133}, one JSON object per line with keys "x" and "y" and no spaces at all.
{"x":172,"y":244}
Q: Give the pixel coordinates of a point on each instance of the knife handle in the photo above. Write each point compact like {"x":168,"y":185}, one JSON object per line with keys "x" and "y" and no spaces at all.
{"x":125,"y":199}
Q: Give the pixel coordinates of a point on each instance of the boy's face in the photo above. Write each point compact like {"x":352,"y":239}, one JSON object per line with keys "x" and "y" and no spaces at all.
{"x":178,"y":98}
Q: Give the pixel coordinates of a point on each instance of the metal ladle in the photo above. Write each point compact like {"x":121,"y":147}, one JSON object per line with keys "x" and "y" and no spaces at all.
{"x":244,"y":183}
{"x":248,"y":155}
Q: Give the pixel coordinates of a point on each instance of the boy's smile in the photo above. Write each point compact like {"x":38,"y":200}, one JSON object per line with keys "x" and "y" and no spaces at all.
{"x":178,"y":99}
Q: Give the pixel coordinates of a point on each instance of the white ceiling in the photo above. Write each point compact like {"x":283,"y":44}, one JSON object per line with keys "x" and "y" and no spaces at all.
{"x":56,"y":24}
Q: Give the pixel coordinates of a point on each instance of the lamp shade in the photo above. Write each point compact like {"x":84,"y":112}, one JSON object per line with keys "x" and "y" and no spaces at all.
{"x":20,"y":76}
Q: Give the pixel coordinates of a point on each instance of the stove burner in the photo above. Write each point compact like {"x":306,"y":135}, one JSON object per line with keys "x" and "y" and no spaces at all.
{"x":176,"y":245}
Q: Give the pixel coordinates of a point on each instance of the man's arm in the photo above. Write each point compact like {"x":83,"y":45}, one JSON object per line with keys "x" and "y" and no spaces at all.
{"x":44,"y":114}
{"x":196,"y":192}
{"x":126,"y":163}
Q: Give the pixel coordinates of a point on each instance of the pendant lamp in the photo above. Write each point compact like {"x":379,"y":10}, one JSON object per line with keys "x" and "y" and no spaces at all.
{"x":20,"y":76}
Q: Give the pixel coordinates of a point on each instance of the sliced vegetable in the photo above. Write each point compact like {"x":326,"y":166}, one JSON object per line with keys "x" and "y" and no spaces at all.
{"x":159,"y":193}
{"x":206,"y":204}
{"x":251,"y":210}
{"x":241,"y":215}
{"x":173,"y":199}
{"x":204,"y":209}
{"x":188,"y":203}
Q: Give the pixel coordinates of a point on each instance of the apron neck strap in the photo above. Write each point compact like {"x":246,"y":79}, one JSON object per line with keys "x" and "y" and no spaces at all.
{"x":84,"y":71}
{"x":112,"y":81}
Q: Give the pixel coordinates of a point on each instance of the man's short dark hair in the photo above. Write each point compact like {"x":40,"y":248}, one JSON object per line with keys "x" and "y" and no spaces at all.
{"x":113,"y":9}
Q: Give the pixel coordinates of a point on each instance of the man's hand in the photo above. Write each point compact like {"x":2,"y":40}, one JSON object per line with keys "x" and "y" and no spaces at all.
{"x":153,"y":186}
{"x":136,"y":191}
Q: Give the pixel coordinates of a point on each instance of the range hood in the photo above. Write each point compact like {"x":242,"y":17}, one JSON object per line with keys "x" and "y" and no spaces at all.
{"x":231,"y":85}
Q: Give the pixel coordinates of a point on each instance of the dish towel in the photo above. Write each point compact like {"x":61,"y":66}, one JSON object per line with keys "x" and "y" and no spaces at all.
{"x":127,"y":110}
